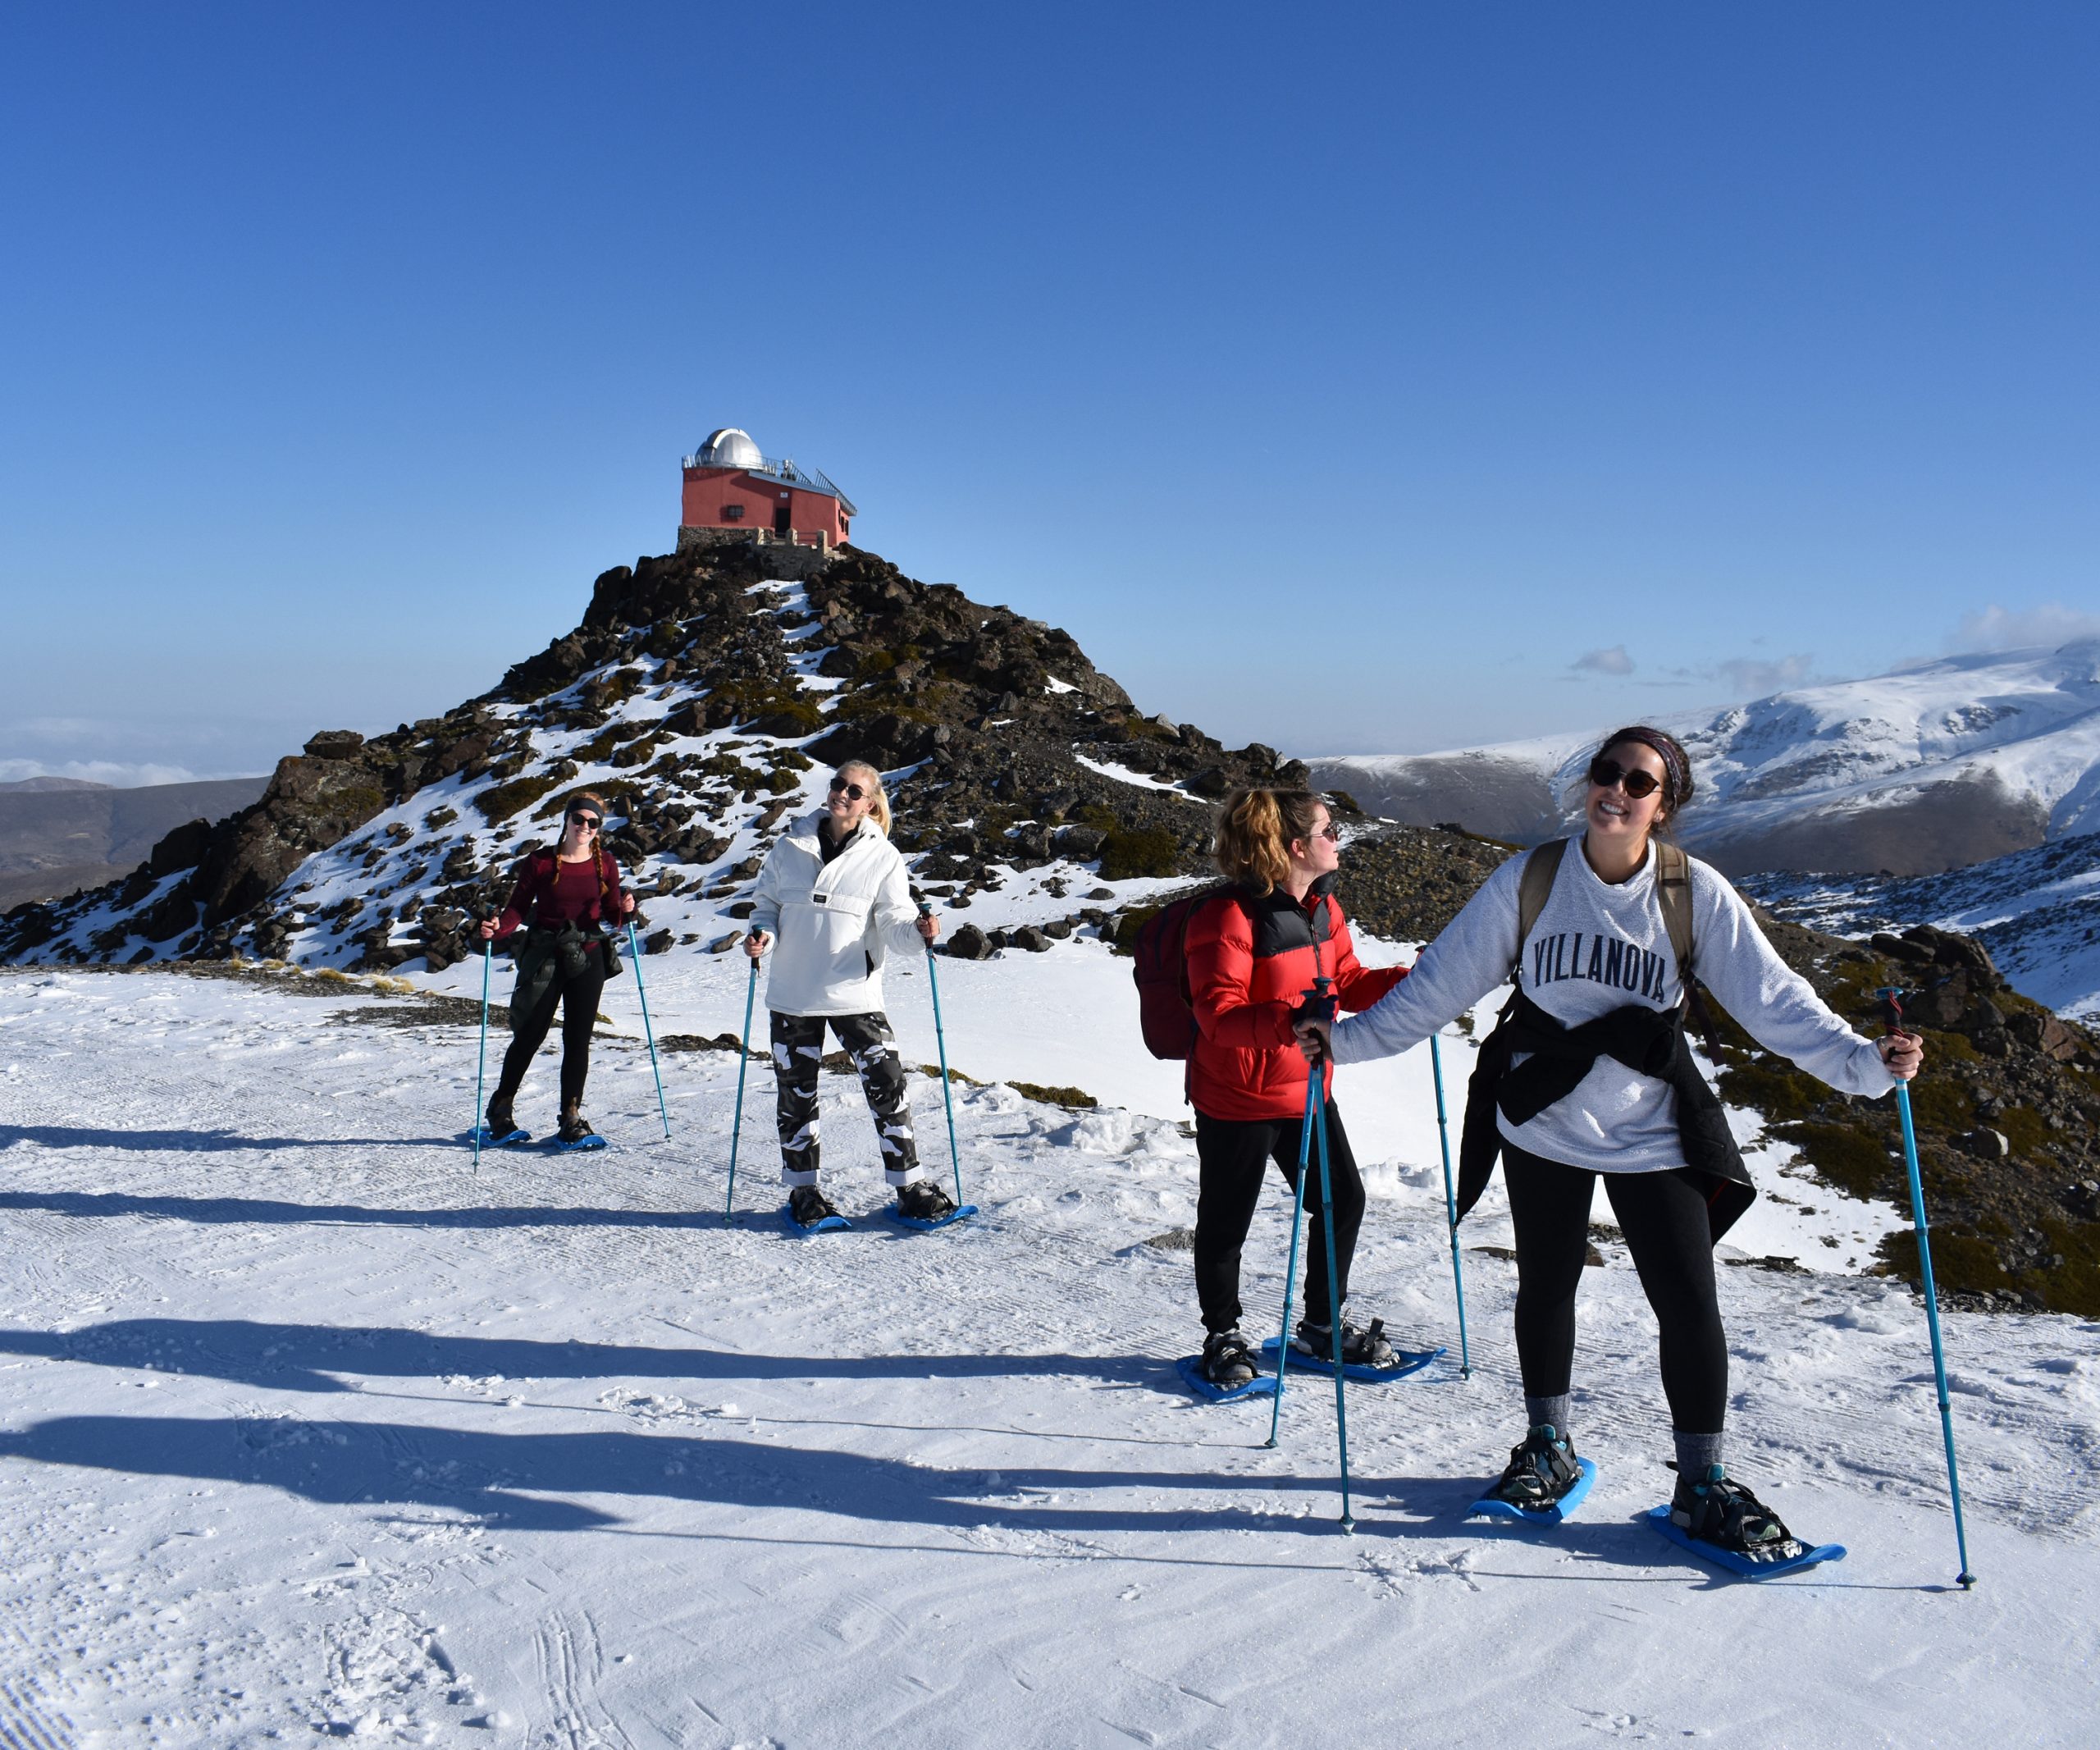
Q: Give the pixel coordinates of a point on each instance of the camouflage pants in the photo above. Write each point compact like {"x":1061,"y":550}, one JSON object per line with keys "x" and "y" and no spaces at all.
{"x":797,"y":1056}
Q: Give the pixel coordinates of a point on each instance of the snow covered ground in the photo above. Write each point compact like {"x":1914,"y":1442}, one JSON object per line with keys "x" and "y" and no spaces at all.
{"x":308,"y":1430}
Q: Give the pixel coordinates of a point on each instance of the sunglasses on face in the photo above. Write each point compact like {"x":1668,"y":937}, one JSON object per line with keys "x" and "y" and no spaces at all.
{"x":588,"y":822}
{"x":1604,"y":773}
{"x":853,"y":791}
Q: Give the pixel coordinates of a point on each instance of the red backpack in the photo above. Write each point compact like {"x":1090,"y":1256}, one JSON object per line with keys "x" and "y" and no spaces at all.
{"x":1165,"y":1013}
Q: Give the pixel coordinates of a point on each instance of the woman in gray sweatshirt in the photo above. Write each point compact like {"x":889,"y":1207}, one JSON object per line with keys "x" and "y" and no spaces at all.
{"x":1592,"y":1079}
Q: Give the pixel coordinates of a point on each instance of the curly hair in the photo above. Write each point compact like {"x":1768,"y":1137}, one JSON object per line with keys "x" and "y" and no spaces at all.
{"x":1255,"y":829}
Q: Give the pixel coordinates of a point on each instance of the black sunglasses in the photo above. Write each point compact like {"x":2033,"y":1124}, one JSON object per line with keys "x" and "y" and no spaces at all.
{"x":590,"y":820}
{"x":1604,"y":773}
{"x":852,"y":790}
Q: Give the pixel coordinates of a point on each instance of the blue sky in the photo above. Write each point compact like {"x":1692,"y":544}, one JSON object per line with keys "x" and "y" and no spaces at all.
{"x":1355,"y":379}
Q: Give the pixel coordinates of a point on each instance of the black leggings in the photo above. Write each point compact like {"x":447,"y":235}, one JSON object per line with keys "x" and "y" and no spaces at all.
{"x":1233,"y":1158}
{"x":1663,"y":1218}
{"x":578,"y":998}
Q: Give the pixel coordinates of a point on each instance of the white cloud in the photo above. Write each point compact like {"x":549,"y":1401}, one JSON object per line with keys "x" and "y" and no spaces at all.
{"x":1611,"y":661}
{"x":1751,"y":677}
{"x":124,"y":774}
{"x":2044,"y":628}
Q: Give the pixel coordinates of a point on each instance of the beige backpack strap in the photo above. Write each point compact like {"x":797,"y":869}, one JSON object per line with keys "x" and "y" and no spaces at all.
{"x":1674,"y":893}
{"x":1542,"y":865}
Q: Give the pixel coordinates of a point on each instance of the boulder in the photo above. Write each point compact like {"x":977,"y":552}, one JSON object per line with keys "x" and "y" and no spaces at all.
{"x":183,"y":848}
{"x":334,"y":744}
{"x":1081,"y":844}
{"x":969,"y":942}
{"x":658,"y":942}
{"x":1029,"y":938}
{"x":1211,"y":781}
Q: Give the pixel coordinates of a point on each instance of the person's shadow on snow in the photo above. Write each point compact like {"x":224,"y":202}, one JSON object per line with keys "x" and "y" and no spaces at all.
{"x":504,"y":1478}
{"x":325,"y":1358}
{"x":195,"y":1141}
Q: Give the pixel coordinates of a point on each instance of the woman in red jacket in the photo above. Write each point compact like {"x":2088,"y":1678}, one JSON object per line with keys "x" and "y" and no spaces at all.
{"x":1252,"y":955}
{"x":568,"y":898}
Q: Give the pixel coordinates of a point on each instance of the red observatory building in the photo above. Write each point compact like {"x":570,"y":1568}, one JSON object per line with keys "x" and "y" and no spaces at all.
{"x":730,"y":487}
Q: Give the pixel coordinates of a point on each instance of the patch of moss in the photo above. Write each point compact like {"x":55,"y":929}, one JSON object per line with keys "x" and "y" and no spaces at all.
{"x":505,"y":800}
{"x":1127,"y":855}
{"x":1953,"y":1046}
{"x":440,"y":817}
{"x":1943,"y":1106}
{"x":1961,"y":1262}
{"x":2025,"y":1129}
{"x":598,"y":748}
{"x":1075,"y":1099}
{"x":1784,"y":1095}
{"x":1854,"y":1161}
{"x":954,"y":1075}
{"x":1094,"y":815}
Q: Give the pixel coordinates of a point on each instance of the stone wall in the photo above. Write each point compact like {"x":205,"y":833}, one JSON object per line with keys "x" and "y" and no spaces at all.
{"x":783,"y":559}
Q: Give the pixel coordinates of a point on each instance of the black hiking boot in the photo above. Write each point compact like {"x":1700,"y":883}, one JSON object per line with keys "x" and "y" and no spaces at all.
{"x":808,"y":1206}
{"x":1365,"y":1348}
{"x":1227,"y":1360}
{"x":575,"y":1127}
{"x":1540,"y":1471}
{"x":501,"y":1121}
{"x":922,"y":1200}
{"x":1717,"y":1511}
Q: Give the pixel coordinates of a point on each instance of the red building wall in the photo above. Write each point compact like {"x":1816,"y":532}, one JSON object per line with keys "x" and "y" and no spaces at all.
{"x":710,"y":492}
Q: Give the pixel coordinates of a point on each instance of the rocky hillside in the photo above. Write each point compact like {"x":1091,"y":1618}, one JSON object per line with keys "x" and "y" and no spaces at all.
{"x":707,"y":699}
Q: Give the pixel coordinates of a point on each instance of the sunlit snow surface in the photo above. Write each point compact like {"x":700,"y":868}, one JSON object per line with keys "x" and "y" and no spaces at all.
{"x":309,"y":1431}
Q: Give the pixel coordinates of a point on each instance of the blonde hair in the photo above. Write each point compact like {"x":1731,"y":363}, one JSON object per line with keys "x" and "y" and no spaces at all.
{"x":1255,"y":829}
{"x":871,"y":787}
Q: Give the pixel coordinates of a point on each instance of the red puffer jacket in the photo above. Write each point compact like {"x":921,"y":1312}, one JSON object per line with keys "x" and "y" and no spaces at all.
{"x":1251,"y":959}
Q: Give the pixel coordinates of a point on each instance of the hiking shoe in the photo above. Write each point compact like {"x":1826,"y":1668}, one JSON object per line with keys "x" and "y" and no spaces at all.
{"x":808,"y":1206}
{"x":1717,"y":1511}
{"x":575,"y":1127}
{"x":501,"y":1121}
{"x":922,"y":1200}
{"x":1365,"y":1348}
{"x":1540,"y":1471}
{"x":1227,"y":1360}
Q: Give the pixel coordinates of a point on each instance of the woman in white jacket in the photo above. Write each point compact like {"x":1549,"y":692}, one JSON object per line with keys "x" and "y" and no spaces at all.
{"x":832,"y":900}
{"x":1588,"y":1076}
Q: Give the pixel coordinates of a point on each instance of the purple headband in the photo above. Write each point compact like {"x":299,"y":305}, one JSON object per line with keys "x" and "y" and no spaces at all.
{"x":1676,"y":767}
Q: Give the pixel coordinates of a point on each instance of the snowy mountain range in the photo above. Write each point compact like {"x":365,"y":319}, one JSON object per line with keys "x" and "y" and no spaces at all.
{"x":1932,"y":767}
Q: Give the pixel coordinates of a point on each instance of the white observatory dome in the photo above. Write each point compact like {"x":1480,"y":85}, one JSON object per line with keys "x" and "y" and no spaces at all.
{"x":730,"y":448}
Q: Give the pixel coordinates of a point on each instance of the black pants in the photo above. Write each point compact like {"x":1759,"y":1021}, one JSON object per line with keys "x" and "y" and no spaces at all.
{"x":1663,"y":1218}
{"x":798,"y":1055}
{"x":1233,"y":1158}
{"x":578,"y":998}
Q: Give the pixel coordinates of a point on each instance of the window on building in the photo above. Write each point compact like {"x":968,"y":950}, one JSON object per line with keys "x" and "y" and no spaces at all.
{"x":733,"y":513}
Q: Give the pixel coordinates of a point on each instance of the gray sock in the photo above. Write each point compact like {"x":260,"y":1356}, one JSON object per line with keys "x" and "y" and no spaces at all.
{"x":1696,"y":1453}
{"x":1548,"y":1410}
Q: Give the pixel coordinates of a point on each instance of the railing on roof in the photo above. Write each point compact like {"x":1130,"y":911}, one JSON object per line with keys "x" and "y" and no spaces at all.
{"x":784,"y":469}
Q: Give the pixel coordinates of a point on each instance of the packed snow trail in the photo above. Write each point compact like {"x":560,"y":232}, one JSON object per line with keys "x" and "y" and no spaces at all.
{"x":307,"y":1428}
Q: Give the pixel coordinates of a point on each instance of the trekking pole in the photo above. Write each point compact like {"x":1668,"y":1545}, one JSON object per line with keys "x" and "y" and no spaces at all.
{"x":482,"y":1058}
{"x":1893,"y":1009}
{"x":736,"y":1128}
{"x":1290,"y":1269}
{"x":1333,"y":1284}
{"x":940,"y":1041}
{"x":1450,"y":1209}
{"x":634,"y":953}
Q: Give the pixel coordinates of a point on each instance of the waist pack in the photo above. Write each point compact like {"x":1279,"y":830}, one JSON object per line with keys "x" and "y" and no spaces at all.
{"x":551,"y":958}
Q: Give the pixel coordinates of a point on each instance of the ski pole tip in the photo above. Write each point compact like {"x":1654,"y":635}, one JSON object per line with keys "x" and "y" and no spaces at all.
{"x":1965,"y":1580}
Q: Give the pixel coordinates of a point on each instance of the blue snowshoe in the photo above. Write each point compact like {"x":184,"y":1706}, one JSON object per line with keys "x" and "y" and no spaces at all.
{"x":808,"y":1211}
{"x":1542,"y":1484}
{"x":1719,"y":1520}
{"x":1225,"y":1372}
{"x":1366,"y":1354}
{"x":924,"y":1206}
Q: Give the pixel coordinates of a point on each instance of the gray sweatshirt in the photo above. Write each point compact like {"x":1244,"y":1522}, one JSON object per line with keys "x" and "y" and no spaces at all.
{"x":1596,"y":947}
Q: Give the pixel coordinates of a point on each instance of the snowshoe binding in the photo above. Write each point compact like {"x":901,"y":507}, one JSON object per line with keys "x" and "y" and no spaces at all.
{"x":1226,"y":1370}
{"x":499,"y":1128}
{"x":1543,"y":1483}
{"x":576,"y":1134}
{"x":810,"y":1211}
{"x":1366,"y":1354}
{"x":924,"y":1205}
{"x":1364,"y":1348}
{"x":1716,"y":1517}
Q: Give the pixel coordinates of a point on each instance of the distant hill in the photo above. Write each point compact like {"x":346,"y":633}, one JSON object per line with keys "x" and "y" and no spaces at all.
{"x":59,"y":834}
{"x":1930,"y":768}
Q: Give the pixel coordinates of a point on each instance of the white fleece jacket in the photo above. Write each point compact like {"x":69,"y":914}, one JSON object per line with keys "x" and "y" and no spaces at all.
{"x":1597,"y":946}
{"x":831,"y":923}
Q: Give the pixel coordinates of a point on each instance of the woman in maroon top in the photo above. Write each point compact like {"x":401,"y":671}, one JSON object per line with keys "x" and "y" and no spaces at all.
{"x":568,"y":898}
